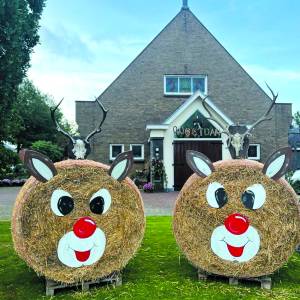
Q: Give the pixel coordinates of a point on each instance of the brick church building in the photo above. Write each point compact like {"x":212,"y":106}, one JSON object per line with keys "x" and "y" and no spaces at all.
{"x":156,"y":102}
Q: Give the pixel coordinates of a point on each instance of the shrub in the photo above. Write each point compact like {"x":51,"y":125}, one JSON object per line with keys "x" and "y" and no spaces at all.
{"x":8,"y":160}
{"x":140,"y":177}
{"x":295,"y":185}
{"x":53,"y":151}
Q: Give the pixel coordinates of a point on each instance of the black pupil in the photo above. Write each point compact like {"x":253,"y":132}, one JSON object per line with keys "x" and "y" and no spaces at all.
{"x":248,"y":198}
{"x":97,"y":205}
{"x":221,"y":197}
{"x":65,"y":205}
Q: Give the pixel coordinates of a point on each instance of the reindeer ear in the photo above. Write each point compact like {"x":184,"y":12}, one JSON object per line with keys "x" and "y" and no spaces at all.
{"x":121,"y":166}
{"x":278,"y":163}
{"x":199,"y":163}
{"x":38,"y":165}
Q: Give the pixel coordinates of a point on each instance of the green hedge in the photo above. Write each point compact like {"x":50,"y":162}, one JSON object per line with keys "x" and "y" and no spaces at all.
{"x":53,"y":151}
{"x":10,"y":164}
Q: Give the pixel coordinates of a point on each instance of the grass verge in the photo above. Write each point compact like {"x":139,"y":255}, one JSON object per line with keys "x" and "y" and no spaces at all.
{"x":158,"y":271}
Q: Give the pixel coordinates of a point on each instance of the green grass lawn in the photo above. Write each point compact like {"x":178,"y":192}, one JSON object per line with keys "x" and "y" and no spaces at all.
{"x":158,"y":271}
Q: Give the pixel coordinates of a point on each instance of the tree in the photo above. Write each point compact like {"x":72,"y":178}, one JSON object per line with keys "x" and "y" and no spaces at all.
{"x":32,"y":118}
{"x":53,"y":151}
{"x":18,"y":35}
{"x":8,"y":159}
{"x":297,"y":118}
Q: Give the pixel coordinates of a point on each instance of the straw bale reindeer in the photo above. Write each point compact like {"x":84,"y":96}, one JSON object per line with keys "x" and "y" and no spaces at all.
{"x":237,"y":218}
{"x":78,"y":147}
{"x":238,"y":135}
{"x":77,"y":219}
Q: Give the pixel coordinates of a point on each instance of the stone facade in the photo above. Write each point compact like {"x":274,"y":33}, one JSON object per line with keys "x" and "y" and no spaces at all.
{"x":136,"y":98}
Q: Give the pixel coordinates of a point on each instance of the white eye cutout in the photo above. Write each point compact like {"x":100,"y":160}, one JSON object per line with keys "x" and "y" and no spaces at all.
{"x":100,"y":202}
{"x":61,"y":203}
{"x":254,"y":197}
{"x":216,"y":195}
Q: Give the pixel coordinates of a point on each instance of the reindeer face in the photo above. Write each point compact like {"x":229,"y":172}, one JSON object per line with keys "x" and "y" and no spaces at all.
{"x":84,"y":222}
{"x":237,"y":219}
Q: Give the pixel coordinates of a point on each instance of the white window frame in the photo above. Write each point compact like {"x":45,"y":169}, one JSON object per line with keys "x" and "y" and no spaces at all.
{"x":143,"y":153}
{"x":257,"y":150}
{"x":110,"y":150}
{"x":184,"y":76}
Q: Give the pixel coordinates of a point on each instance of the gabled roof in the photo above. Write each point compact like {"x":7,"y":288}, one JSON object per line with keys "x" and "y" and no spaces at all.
{"x":183,"y":47}
{"x":184,"y":10}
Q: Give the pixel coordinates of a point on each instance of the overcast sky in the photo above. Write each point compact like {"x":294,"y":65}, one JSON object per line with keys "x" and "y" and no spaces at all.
{"x":85,"y":44}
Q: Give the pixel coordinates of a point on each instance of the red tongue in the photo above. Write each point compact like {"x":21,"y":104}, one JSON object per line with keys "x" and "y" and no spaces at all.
{"x":82,"y":256}
{"x":235,"y":251}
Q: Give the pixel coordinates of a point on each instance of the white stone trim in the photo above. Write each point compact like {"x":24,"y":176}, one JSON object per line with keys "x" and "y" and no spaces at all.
{"x":157,"y":127}
{"x":110,"y":150}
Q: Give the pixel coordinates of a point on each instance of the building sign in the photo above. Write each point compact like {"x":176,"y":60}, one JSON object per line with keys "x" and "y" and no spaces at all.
{"x":197,"y":126}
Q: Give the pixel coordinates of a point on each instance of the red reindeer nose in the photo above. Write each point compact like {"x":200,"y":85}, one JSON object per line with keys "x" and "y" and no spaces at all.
{"x":236,"y":223}
{"x":84,"y":227}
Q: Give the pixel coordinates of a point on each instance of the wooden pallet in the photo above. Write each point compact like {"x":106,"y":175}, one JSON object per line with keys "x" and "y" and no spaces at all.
{"x":265,"y":281}
{"x":52,"y":286}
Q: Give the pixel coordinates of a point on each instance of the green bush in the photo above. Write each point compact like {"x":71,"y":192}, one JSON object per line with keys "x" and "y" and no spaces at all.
{"x":295,"y":185}
{"x":8,"y":160}
{"x":53,"y":151}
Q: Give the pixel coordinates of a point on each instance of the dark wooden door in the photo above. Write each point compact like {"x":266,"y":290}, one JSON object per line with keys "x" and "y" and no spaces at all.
{"x":182,"y":171}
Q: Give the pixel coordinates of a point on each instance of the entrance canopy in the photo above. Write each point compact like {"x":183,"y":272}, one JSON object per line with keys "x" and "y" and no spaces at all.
{"x":189,"y":123}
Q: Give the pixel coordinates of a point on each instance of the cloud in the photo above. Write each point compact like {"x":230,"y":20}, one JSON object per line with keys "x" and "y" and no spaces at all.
{"x":65,"y":43}
{"x":78,"y":66}
{"x":120,"y":45}
{"x":285,"y":82}
{"x":72,"y":86}
{"x":275,"y":74}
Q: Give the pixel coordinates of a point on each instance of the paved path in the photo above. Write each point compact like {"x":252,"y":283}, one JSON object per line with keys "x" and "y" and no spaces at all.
{"x":7,"y":199}
{"x":159,"y":204}
{"x":156,"y":204}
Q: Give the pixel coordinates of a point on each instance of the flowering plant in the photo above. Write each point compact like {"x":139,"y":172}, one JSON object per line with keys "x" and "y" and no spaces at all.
{"x":148,"y":187}
{"x":158,"y":170}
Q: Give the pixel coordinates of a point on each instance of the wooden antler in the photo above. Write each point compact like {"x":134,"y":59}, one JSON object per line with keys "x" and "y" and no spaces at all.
{"x":58,"y":128}
{"x":264,"y":117}
{"x":97,"y":129}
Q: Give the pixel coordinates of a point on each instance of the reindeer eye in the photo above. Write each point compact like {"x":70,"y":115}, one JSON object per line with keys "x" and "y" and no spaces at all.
{"x":100,"y":202}
{"x":254,"y":197}
{"x":61,"y":203}
{"x":216,"y":195}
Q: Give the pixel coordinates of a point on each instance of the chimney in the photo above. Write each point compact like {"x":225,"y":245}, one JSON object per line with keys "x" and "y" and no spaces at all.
{"x":185,"y":4}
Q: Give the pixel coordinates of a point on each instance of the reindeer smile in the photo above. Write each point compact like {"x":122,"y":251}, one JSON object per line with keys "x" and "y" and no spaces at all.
{"x":236,"y":251}
{"x":83,"y":246}
{"x":82,"y":255}
{"x":232,"y":247}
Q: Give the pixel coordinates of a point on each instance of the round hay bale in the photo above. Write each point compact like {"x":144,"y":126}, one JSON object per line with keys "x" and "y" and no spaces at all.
{"x":275,"y":226}
{"x":38,"y":233}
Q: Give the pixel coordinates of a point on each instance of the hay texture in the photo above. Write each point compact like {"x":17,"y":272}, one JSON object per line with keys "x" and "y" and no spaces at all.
{"x":277,"y":221}
{"x":37,"y":230}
